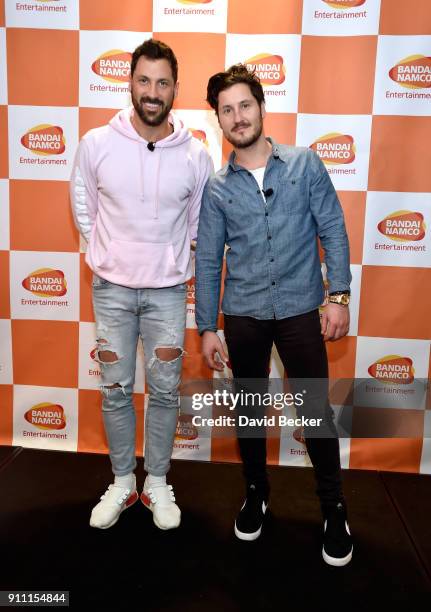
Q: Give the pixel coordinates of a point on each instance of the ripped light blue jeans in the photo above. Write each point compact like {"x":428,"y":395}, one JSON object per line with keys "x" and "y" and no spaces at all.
{"x":157,"y":316}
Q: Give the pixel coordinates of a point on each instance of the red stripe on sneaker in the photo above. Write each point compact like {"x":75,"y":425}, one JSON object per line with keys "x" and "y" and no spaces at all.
{"x":132,"y":499}
{"x":145,"y":500}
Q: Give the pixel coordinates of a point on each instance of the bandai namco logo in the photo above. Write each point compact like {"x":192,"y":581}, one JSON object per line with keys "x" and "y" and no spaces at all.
{"x":113,"y":66}
{"x":403,"y":226}
{"x":344,"y":4}
{"x":199,"y":135}
{"x":335,"y":148}
{"x":268,"y":67}
{"x":413,"y":72}
{"x":44,"y":139}
{"x":393,"y":369}
{"x":46,"y":282}
{"x":185,"y":428}
{"x":190,"y":291}
{"x":46,"y":416}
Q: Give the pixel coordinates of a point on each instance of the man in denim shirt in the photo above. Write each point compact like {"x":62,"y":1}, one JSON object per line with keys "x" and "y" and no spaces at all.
{"x":268,"y":205}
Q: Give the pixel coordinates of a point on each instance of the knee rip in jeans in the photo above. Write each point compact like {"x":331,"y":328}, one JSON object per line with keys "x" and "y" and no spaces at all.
{"x":167,"y":355}
{"x":163,"y":367}
{"x":107,"y":357}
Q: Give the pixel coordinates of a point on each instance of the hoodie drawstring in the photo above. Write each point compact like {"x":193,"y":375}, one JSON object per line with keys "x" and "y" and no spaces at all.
{"x":158,"y":152}
{"x":159,"y":163}
{"x":141,"y":170}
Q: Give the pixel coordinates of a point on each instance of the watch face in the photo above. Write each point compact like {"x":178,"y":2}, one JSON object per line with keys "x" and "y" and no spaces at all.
{"x":343,"y":299}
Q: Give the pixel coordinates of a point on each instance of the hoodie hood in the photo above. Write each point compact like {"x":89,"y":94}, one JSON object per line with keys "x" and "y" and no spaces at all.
{"x":122,"y":124}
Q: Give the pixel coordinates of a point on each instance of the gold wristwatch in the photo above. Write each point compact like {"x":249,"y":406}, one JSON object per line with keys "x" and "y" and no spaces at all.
{"x":340,"y":298}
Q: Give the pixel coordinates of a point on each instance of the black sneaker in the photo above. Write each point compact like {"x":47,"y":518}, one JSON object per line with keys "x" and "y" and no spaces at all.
{"x":337,"y":541}
{"x":248,"y":524}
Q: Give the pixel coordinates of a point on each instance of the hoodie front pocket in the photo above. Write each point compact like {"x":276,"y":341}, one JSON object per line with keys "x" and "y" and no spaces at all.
{"x":141,"y":263}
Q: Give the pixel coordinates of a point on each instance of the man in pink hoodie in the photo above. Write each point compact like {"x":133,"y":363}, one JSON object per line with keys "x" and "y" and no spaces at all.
{"x":136,"y":189}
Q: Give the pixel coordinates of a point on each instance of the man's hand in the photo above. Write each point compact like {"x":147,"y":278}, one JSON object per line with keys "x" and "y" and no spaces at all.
{"x":335,"y":321}
{"x":212,"y":346}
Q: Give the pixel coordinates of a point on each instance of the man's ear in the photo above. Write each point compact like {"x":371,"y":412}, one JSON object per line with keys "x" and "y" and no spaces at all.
{"x":176,"y":86}
{"x":263,"y":110}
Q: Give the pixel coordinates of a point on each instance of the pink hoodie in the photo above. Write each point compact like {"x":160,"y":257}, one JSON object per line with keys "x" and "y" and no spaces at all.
{"x":138,"y":209}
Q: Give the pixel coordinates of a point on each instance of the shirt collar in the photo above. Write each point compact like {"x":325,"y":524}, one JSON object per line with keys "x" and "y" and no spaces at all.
{"x":275,"y":154}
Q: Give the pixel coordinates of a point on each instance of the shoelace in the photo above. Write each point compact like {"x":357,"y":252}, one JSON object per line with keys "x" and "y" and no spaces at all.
{"x":120,"y":500}
{"x":153,"y":497}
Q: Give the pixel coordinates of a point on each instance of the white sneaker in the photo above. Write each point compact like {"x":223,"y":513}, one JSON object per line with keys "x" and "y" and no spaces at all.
{"x":111,"y":505}
{"x":161,"y":501}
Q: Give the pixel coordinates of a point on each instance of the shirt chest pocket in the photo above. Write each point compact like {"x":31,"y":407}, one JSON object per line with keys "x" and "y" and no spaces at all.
{"x":292,"y":195}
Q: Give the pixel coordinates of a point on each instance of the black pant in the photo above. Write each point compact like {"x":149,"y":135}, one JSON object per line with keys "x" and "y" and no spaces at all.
{"x":302,"y":351}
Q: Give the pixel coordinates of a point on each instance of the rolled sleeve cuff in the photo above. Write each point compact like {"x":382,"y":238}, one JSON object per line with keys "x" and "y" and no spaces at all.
{"x":204,"y":328}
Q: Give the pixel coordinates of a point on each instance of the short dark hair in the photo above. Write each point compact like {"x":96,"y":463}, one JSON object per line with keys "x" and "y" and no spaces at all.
{"x":238,"y":73}
{"x":155,"y":50}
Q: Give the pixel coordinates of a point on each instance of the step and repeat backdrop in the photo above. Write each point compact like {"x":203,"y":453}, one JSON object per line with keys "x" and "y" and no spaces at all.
{"x":349,"y":78}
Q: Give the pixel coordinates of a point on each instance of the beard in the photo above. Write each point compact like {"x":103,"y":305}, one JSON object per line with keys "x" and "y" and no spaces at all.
{"x":241,"y":142}
{"x":152,"y":118}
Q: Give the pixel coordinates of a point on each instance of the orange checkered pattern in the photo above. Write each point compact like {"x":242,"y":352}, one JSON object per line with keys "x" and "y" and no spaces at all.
{"x":349,"y":78}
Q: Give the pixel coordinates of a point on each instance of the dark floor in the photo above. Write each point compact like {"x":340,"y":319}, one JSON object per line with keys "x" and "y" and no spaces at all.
{"x":47,"y":544}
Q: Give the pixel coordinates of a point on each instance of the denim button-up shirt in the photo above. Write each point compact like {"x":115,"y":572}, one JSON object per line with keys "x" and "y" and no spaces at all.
{"x":272,"y":259}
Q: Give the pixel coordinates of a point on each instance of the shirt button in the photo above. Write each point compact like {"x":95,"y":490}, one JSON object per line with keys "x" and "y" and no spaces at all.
{"x":271,"y":260}
{"x":230,"y":201}
{"x":269,"y":237}
{"x":249,"y":173}
{"x":273,"y":282}
{"x":266,"y":214}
